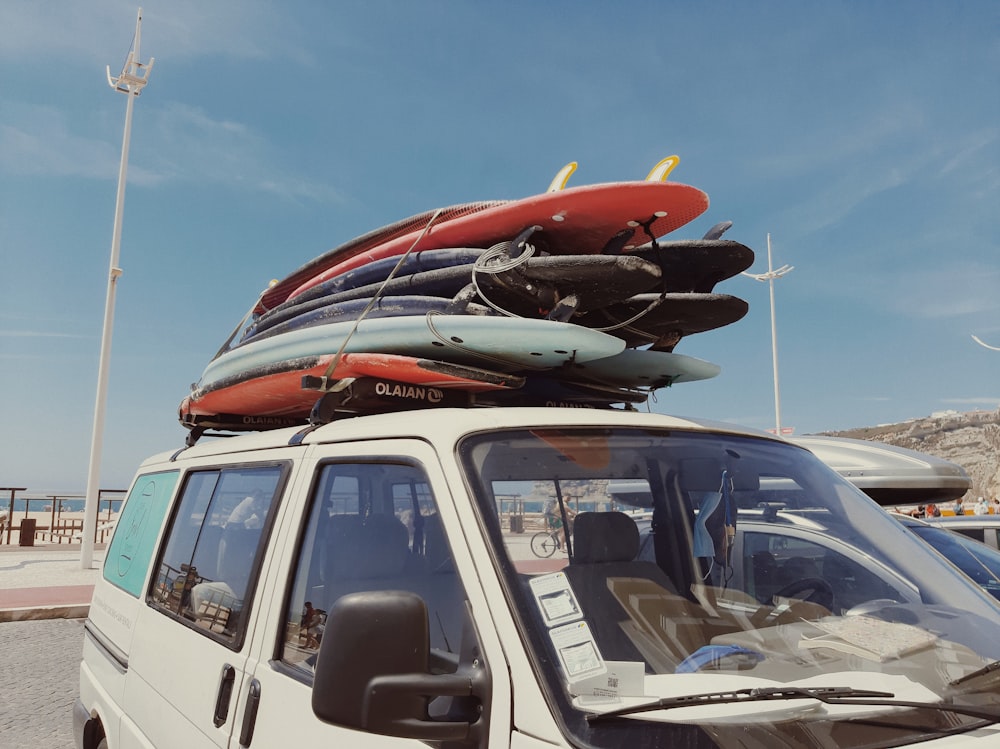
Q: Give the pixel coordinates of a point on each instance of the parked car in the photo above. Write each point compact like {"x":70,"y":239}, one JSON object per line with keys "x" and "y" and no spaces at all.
{"x":976,"y":559}
{"x":982,"y":528}
{"x":897,"y":476}
{"x":777,"y":553}
{"x":774,"y":548}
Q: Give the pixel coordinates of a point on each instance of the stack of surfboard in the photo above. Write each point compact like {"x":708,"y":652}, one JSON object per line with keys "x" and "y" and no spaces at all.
{"x":568,"y":297}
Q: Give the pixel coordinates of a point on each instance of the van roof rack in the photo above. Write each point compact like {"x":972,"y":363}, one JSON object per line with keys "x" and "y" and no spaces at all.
{"x":370,"y":395}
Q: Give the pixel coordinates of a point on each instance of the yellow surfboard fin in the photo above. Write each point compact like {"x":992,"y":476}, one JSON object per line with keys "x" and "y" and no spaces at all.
{"x":562,"y":177}
{"x":662,"y":170}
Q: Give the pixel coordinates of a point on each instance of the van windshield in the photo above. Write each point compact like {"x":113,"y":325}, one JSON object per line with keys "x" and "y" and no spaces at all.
{"x":645,"y":564}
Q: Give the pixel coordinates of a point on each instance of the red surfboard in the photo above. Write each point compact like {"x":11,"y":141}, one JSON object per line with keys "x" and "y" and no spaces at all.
{"x":604,"y":218}
{"x":277,"y":390}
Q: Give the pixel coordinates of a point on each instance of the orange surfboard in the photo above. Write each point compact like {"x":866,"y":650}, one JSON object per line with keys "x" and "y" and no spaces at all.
{"x":276,"y":390}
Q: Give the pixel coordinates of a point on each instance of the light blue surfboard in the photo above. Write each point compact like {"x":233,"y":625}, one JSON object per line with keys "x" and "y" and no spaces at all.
{"x":504,"y":343}
{"x":643,"y":368}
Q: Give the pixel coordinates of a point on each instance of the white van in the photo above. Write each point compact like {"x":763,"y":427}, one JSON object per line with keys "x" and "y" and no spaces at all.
{"x":371,"y":582}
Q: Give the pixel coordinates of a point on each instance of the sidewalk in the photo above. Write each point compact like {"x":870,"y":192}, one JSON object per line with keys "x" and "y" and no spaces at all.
{"x":46,"y":582}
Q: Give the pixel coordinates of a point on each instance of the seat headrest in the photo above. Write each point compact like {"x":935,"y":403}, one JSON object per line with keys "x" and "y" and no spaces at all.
{"x":364,"y":549}
{"x":604,"y":537}
{"x":384,"y":546}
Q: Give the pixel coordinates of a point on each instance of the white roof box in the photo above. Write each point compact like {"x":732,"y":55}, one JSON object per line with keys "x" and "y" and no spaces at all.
{"x":888,"y":474}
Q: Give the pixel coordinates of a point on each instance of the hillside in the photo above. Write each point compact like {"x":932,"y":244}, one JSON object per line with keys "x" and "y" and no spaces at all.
{"x":970,"y":439}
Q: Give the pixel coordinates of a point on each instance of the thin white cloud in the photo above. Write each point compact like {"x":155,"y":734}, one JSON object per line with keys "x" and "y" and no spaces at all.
{"x":179,"y":143}
{"x":844,"y":193}
{"x":45,"y":148}
{"x":38,"y":141}
{"x":967,"y":155}
{"x":946,"y":291}
{"x":38,"y":334}
{"x":993,"y":402}
{"x":100,"y":31}
{"x":188,"y":145}
{"x":836,"y":150}
{"x":887,"y":149}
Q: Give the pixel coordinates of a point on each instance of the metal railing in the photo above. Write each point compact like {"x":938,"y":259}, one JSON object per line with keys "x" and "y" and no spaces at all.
{"x":60,"y":528}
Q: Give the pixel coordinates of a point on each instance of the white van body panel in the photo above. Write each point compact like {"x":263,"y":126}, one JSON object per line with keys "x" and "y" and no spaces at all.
{"x":524,"y":741}
{"x":102,"y":683}
{"x":530,"y":710}
{"x":286,"y":701}
{"x":153,"y":679}
{"x":174,"y":671}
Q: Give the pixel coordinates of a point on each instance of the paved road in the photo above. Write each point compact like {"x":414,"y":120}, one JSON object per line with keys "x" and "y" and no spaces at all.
{"x":39,"y":682}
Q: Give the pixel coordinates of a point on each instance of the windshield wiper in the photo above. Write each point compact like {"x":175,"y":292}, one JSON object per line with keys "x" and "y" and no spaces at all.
{"x":758,"y":694}
{"x":989,"y":668}
{"x":827,"y":695}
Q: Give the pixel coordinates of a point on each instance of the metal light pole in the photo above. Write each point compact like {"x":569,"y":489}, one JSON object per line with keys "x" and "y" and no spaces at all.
{"x":130,"y":82}
{"x":773,"y":273}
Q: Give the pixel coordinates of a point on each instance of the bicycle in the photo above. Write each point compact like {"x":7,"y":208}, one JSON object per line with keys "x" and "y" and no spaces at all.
{"x":545,"y":543}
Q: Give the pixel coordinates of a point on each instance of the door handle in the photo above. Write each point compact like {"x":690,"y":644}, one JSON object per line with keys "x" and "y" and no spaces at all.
{"x":225,"y":695}
{"x":250,"y":714}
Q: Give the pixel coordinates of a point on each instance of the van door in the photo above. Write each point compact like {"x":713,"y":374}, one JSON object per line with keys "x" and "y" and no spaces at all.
{"x":189,"y":654}
{"x":373,"y":522}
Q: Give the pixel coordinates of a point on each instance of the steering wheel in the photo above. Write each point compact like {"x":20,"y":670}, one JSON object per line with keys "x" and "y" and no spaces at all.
{"x":821,"y":591}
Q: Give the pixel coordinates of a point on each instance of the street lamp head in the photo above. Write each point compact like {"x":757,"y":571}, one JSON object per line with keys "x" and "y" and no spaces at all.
{"x":134,"y":74}
{"x":770,"y":275}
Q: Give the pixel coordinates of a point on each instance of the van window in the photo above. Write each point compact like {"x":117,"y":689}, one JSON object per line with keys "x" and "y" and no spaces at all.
{"x":371,"y":526}
{"x":213,"y":547}
{"x":131,"y":549}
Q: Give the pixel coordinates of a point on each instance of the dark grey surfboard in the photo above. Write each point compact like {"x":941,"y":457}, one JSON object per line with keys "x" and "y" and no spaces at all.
{"x":666,"y":318}
{"x":696,"y":264}
{"x":541,"y":283}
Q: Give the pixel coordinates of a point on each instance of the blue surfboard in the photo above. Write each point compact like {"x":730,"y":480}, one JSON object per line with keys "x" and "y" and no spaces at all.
{"x":378,"y":270}
{"x":371,"y":276}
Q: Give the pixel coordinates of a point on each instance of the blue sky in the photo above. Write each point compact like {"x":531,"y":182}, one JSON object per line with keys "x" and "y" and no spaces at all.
{"x":862,"y":136}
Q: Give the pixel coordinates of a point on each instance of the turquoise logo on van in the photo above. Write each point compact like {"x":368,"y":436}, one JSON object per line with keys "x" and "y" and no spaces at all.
{"x":131,"y":549}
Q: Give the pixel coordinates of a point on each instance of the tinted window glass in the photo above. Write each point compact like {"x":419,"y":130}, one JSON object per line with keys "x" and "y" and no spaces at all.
{"x":213,"y":548}
{"x":977,"y":534}
{"x":371,"y":527}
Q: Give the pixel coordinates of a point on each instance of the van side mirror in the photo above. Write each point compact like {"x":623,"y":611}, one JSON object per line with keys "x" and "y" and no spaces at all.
{"x":373,"y":670}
